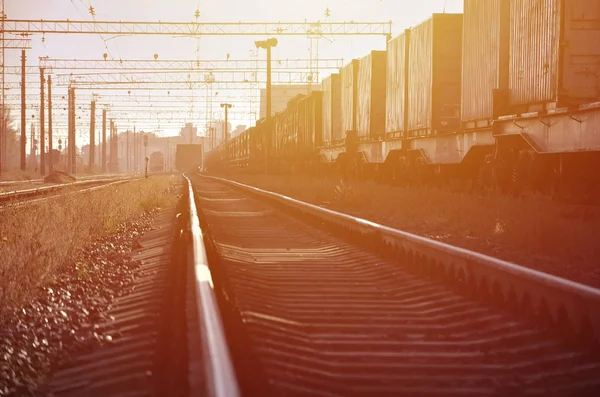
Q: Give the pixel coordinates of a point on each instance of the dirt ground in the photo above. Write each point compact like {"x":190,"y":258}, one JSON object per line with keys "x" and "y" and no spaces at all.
{"x":554,"y":238}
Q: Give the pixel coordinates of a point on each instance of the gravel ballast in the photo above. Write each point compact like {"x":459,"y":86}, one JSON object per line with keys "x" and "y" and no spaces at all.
{"x":62,"y":320}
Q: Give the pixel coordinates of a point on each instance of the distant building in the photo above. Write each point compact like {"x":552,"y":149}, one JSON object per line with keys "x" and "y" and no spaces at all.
{"x":131,"y":146}
{"x":189,"y":133}
{"x":280,"y":95}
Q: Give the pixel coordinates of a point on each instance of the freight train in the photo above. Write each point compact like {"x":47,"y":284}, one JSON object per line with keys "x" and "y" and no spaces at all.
{"x":157,"y":162}
{"x":505,"y":96}
{"x":189,"y":157}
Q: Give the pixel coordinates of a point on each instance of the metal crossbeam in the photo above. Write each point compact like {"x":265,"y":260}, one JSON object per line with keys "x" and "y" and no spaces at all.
{"x":182,"y":65}
{"x":143,"y":119}
{"x":17,"y":44}
{"x":144,"y":123}
{"x":150,"y":121}
{"x":166,"y":86}
{"x":141,"y":115}
{"x":30,"y":26}
{"x":177,"y":107}
{"x":101,"y":79}
{"x":172,"y":66}
{"x":87,"y":96}
{"x":239,"y":103}
{"x":178,"y":114}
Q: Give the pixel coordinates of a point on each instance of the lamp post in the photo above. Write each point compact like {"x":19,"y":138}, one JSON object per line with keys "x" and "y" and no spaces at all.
{"x":267,"y":44}
{"x":226,"y":137}
{"x":146,"y":153}
{"x":209,"y":78}
{"x":226,"y":106}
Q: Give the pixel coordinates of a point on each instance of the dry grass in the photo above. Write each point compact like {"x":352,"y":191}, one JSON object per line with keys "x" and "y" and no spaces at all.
{"x":555,"y":238}
{"x":37,"y":242}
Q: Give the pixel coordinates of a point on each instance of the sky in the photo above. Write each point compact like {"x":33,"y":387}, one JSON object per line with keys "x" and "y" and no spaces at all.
{"x":402,"y":14}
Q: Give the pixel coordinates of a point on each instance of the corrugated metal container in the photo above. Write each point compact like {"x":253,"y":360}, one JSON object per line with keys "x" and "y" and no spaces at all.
{"x":188,"y":157}
{"x":280,"y":127}
{"x":434,"y":75}
{"x":293,"y":122}
{"x":313,"y":122}
{"x":481,"y":73}
{"x":326,"y":85}
{"x":541,"y":70}
{"x":332,"y":108}
{"x":535,"y":29}
{"x":349,"y":76}
{"x":316,"y":120}
{"x":255,"y":144}
{"x":371,"y":83}
{"x":395,"y":75}
{"x":281,"y":94}
{"x":336,"y":108}
{"x":260,"y":136}
{"x":302,"y":130}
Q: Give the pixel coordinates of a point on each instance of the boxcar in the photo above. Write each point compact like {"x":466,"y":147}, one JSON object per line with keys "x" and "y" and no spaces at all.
{"x":188,"y":157}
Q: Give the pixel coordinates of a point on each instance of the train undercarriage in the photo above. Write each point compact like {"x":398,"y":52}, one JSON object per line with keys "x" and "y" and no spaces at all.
{"x":510,"y":168}
{"x":557,"y":156}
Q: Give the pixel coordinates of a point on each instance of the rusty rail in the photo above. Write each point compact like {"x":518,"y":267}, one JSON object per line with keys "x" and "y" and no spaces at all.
{"x":218,"y":365}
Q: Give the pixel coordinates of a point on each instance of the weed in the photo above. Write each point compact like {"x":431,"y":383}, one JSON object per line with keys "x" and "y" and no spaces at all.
{"x":38,"y":241}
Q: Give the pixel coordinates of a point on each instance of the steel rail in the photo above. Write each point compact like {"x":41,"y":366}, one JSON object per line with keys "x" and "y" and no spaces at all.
{"x":566,"y":302}
{"x":218,"y":364}
{"x":41,"y":180}
{"x":25,"y":193}
{"x":102,"y":185}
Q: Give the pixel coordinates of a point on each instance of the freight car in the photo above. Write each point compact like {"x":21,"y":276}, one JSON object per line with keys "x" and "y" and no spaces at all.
{"x":189,"y":157}
{"x":157,"y":162}
{"x":505,"y":96}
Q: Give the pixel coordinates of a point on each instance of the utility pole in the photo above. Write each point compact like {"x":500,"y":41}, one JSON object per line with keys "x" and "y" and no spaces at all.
{"x":31,"y":150}
{"x":73,"y":134}
{"x":69,"y":128}
{"x":267,"y":44}
{"x":127,"y":151}
{"x":2,"y":125}
{"x":50,"y":150}
{"x":146,"y":154}
{"x":114,"y":150}
{"x":42,"y":127}
{"x":136,"y":154}
{"x":406,"y":82}
{"x":104,"y":140}
{"x":168,"y":155}
{"x":226,"y":106}
{"x":92,"y":134}
{"x":110,"y":146}
{"x":23,"y":108}
{"x":145,"y":145}
{"x":2,"y":104}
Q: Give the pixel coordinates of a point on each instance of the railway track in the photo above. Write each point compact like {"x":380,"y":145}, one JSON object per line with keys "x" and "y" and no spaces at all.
{"x":28,"y":196}
{"x":164,"y":332}
{"x":10,"y":183}
{"x":316,"y":303}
